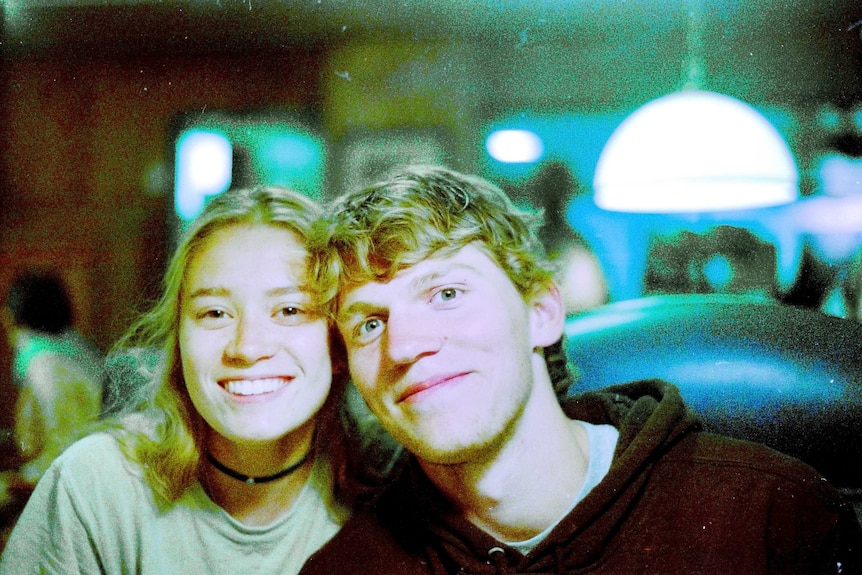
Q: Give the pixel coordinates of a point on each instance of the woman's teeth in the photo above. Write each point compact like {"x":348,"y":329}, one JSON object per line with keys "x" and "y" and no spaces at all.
{"x":255,"y":386}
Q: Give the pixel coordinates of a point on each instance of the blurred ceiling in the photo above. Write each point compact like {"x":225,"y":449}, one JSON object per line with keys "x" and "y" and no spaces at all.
{"x":789,"y":49}
{"x":229,"y":25}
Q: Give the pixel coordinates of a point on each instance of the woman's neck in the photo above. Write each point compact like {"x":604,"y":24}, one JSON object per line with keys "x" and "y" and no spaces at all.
{"x":258,"y":504}
{"x":254,"y":502}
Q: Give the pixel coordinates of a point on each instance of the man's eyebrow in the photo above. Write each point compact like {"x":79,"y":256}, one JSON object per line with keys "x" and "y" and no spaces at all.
{"x":357,"y":308}
{"x":417,"y":284}
{"x":433,"y":276}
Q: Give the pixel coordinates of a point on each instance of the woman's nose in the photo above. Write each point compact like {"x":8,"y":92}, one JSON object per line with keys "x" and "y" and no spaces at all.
{"x":252,"y":341}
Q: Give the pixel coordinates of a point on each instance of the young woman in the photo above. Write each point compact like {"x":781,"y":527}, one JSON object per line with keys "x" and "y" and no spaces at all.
{"x":230,"y":459}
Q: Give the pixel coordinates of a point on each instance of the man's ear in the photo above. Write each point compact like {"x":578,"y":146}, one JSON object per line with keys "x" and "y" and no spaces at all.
{"x":547,"y":315}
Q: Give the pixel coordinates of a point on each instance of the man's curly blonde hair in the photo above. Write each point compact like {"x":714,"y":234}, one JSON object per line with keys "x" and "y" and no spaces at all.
{"x":420,"y":211}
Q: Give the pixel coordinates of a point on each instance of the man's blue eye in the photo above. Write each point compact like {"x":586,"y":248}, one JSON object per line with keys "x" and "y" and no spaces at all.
{"x":448,"y":294}
{"x":370,"y":325}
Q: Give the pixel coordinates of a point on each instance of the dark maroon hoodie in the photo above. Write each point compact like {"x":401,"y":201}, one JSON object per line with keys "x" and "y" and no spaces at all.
{"x":676,"y":500}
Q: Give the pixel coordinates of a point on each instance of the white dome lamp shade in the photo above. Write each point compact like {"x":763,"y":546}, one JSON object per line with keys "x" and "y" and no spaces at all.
{"x":694,"y":151}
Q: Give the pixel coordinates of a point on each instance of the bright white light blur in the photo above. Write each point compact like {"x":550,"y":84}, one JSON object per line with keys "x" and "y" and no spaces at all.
{"x":203,"y":168}
{"x":515,"y":146}
{"x":840,"y":175}
{"x":694,"y":151}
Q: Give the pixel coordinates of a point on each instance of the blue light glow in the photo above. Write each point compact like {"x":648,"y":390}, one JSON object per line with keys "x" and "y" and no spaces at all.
{"x":268,"y":152}
{"x":203,"y":168}
{"x":292,"y":159}
{"x":515,"y":146}
{"x":718,"y":271}
{"x":574,"y":139}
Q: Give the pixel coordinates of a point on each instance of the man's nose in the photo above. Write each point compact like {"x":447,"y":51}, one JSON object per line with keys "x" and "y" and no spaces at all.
{"x":410,"y":336}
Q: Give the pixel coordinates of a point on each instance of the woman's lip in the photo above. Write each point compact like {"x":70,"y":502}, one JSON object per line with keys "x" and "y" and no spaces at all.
{"x":254,"y":386}
{"x":416,"y":388}
{"x":224,"y":380}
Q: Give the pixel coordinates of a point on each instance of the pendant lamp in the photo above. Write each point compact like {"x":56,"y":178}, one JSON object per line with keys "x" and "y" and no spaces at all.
{"x":694,"y":151}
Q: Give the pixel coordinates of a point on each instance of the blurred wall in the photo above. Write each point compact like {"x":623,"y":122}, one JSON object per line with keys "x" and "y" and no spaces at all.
{"x":84,"y":130}
{"x":81,"y":138}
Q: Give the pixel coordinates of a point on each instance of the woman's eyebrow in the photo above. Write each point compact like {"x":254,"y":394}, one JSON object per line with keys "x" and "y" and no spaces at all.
{"x":286,"y":290}
{"x":218,"y":291}
{"x":209,"y":292}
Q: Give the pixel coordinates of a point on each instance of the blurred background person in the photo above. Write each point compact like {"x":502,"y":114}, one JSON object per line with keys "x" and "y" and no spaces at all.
{"x":578,"y":271}
{"x":852,"y":289}
{"x":58,"y":373}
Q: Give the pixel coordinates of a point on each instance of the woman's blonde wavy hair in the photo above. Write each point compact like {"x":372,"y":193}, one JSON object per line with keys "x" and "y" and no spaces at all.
{"x":156,"y":425}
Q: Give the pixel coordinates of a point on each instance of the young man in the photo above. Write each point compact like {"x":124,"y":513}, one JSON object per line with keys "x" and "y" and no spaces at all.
{"x":446,"y":308}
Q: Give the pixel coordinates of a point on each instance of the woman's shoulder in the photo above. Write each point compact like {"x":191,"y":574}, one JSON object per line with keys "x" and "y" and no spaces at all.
{"x":94,"y":460}
{"x":97,"y":445}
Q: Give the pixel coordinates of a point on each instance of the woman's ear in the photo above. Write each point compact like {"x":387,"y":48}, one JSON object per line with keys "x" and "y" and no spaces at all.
{"x":547,"y":315}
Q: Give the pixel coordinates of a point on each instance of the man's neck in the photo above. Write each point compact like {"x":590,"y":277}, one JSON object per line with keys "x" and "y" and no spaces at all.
{"x":529,"y":482}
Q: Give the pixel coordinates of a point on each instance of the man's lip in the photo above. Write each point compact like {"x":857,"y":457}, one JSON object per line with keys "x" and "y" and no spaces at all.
{"x":425,"y":384}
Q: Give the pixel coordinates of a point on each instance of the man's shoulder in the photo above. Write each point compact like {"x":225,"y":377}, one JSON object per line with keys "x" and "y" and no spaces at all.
{"x":712,"y":448}
{"x":388,"y":534}
{"x":365,"y":544}
{"x":750,"y":463}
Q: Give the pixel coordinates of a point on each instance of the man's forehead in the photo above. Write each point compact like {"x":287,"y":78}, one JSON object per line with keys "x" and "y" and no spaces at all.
{"x":419,"y":273}
{"x":468,"y":258}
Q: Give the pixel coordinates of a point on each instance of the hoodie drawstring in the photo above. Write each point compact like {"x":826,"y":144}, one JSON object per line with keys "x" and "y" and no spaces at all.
{"x":498,"y":557}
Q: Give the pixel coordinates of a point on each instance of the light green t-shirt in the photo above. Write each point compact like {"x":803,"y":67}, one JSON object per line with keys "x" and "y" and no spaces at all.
{"x":91,"y":513}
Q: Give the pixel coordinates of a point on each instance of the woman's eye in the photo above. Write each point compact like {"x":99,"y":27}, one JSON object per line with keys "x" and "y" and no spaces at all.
{"x":289,"y":311}
{"x":290,"y":315}
{"x":212,"y":317}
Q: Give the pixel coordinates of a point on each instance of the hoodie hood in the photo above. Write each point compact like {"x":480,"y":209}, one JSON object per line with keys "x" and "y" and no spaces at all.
{"x":675,"y":500}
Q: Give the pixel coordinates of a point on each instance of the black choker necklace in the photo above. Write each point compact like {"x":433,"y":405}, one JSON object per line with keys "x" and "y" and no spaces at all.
{"x":255,"y":480}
